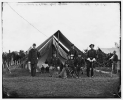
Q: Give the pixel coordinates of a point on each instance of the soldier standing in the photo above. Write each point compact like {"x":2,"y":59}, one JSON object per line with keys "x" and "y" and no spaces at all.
{"x":73,"y":52}
{"x":114,"y":59}
{"x":33,"y":59}
{"x":91,"y":57}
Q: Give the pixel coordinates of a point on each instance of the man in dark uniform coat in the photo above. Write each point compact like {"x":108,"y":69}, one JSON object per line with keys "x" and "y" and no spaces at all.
{"x":72,"y":52}
{"x":79,"y":62}
{"x":114,"y":59}
{"x":33,"y":58}
{"x":91,"y":57}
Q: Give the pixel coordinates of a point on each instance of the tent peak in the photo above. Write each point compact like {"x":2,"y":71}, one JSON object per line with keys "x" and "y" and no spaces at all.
{"x":58,"y":31}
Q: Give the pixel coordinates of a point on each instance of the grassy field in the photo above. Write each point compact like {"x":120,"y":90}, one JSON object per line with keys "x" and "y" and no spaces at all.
{"x":107,"y":69}
{"x":20,"y":81}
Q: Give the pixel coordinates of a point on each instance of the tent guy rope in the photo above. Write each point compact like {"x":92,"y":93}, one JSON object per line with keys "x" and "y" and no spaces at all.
{"x":26,"y":20}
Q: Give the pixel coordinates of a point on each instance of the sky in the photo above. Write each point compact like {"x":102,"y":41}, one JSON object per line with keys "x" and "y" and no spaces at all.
{"x":81,"y":23}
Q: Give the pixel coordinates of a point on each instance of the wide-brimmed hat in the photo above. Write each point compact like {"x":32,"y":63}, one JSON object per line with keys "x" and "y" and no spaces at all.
{"x":91,"y":45}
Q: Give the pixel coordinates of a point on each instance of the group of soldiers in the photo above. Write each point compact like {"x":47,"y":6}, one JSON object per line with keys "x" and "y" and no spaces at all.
{"x":71,"y":67}
{"x":74,"y":64}
{"x":77,"y":63}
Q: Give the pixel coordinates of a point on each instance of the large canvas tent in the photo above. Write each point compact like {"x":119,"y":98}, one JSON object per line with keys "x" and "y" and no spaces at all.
{"x":56,"y":43}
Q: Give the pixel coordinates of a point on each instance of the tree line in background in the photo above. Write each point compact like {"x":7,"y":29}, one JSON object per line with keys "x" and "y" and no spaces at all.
{"x":16,"y":58}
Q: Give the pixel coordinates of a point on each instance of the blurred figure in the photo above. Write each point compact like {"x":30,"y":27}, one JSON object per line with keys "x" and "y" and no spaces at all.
{"x":114,"y":59}
{"x":9,"y":59}
{"x":3,"y":60}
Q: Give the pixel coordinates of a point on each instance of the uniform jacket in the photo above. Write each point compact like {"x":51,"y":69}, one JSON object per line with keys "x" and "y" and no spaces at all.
{"x":73,"y":51}
{"x":33,"y":56}
{"x":54,"y":61}
{"x":79,"y":61}
{"x":71,"y":62}
{"x":115,"y":58}
{"x":91,"y":54}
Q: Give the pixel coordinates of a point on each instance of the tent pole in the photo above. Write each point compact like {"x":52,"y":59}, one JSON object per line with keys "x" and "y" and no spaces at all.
{"x":58,"y":43}
{"x":52,"y":46}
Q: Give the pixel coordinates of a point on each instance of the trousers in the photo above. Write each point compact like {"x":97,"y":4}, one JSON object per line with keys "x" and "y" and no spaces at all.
{"x":33,"y":69}
{"x":114,"y":65}
{"x":78,"y":70}
{"x":90,"y":68}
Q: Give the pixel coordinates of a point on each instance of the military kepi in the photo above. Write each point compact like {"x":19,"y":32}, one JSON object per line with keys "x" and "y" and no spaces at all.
{"x":34,"y":44}
{"x":91,"y":45}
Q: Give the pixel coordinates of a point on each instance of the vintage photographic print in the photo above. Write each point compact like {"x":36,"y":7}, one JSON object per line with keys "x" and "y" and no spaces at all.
{"x":61,"y":49}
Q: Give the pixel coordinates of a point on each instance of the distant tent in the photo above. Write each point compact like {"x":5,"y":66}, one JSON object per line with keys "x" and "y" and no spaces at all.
{"x":110,"y":50}
{"x":56,"y":43}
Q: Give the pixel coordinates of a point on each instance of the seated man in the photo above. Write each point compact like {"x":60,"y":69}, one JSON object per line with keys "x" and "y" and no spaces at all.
{"x":69,"y":68}
{"x":42,"y":69}
{"x":79,"y":63}
{"x":46,"y":67}
{"x":65,"y":70}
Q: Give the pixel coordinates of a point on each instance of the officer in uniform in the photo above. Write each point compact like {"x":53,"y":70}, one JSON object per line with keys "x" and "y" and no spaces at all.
{"x":91,"y":57}
{"x":33,"y":59}
{"x":72,"y":66}
{"x":73,"y":54}
{"x":79,"y":62}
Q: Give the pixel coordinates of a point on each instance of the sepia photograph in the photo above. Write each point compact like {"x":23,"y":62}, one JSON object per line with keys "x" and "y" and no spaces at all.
{"x":61,"y":49}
